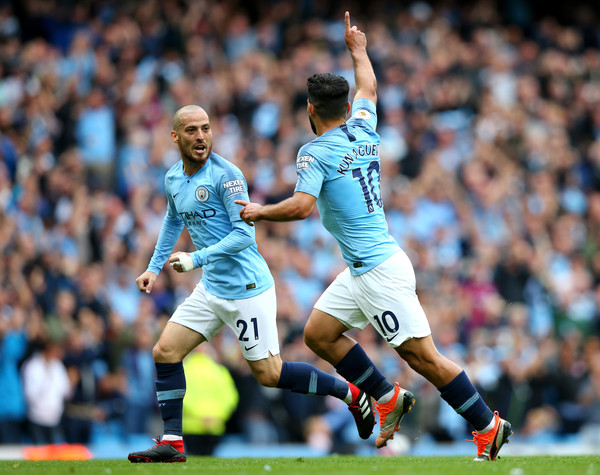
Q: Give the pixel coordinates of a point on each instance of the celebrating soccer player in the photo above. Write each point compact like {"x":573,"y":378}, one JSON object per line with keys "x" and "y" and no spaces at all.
{"x":339,"y":171}
{"x":236,"y":289}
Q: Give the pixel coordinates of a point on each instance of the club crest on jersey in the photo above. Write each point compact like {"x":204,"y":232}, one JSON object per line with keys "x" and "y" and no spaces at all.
{"x":201,"y":194}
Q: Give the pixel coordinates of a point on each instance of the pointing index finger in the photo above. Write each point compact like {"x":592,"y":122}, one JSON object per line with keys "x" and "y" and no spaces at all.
{"x":347,"y":21}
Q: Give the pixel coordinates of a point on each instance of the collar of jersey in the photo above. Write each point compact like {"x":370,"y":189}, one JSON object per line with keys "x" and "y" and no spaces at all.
{"x":322,"y":136}
{"x":185,"y":175}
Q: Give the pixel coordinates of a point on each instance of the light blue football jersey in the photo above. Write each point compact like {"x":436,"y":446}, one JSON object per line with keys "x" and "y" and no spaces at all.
{"x":341,"y":168}
{"x":232,"y":267}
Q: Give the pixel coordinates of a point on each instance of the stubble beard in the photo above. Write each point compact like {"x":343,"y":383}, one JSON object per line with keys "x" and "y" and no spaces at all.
{"x":189,"y":156}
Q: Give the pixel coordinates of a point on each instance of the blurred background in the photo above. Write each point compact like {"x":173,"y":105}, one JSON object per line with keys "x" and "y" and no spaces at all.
{"x":489,"y":115}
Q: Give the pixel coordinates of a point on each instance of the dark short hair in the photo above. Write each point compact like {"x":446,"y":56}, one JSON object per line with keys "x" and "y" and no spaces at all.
{"x":328,"y":93}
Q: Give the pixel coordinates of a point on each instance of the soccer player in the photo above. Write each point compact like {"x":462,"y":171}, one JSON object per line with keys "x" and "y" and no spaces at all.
{"x":236,"y":288}
{"x":339,"y":171}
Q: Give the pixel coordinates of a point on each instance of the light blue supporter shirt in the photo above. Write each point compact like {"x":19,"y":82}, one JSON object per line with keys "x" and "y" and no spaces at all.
{"x":341,"y":168}
{"x":204,"y":202}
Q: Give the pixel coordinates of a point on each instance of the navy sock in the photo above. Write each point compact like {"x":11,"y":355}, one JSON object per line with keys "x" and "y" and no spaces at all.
{"x":358,"y":368}
{"x":466,"y":401}
{"x":306,"y":379}
{"x":170,"y":389}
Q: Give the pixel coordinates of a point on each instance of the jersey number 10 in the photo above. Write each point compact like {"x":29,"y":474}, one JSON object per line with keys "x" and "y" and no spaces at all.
{"x":370,"y":189}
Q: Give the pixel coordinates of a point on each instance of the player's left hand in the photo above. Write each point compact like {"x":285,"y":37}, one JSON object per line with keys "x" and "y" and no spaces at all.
{"x":250,"y":212}
{"x":355,"y":39}
{"x":181,"y":262}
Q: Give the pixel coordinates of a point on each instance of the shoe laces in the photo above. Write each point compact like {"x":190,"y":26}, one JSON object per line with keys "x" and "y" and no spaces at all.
{"x":158,"y":441}
{"x":355,"y":409}
{"x":387,"y":407}
{"x":482,"y":440}
{"x":354,"y":405}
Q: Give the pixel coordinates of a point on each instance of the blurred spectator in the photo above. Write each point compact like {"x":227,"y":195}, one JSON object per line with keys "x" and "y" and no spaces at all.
{"x":589,"y":396}
{"x":138,"y":367}
{"x":95,"y":133}
{"x":210,"y":399}
{"x":46,"y":385}
{"x":13,"y":345}
{"x":83,"y":351}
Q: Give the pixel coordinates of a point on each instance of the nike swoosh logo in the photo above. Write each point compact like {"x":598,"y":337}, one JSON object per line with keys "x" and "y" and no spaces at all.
{"x":391,"y":337}
{"x":175,"y":195}
{"x":248,"y":349}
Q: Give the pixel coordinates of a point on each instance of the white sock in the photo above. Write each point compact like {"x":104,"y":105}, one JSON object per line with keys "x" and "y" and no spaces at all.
{"x":348,"y":398}
{"x":386,"y":397}
{"x":489,"y":427}
{"x":171,"y":437}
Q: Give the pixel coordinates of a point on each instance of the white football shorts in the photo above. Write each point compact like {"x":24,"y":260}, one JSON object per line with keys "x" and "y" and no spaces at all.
{"x":252,"y":319}
{"x":385,"y":296}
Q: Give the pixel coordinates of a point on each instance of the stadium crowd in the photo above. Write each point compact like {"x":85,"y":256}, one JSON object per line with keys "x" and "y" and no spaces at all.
{"x":490,"y":128}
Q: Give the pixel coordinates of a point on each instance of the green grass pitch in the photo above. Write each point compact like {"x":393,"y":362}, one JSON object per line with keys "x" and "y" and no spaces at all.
{"x":346,"y":465}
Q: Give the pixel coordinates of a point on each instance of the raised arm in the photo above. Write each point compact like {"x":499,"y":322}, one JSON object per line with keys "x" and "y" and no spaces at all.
{"x":364,"y":76}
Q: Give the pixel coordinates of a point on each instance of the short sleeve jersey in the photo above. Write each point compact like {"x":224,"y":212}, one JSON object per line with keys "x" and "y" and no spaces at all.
{"x":341,"y":168}
{"x":205,"y":204}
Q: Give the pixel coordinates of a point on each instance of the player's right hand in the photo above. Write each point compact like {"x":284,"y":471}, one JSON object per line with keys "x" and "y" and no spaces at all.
{"x":250,"y":211}
{"x":145,"y":282}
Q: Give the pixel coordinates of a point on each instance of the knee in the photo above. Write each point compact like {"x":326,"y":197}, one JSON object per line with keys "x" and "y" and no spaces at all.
{"x":312,"y":337}
{"x":157,"y":353}
{"x":165,"y":354}
{"x":420,"y":361}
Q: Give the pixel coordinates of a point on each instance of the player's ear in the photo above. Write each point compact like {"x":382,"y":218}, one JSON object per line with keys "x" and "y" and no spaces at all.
{"x":310,"y":108}
{"x":348,"y":108}
{"x":174,"y":136}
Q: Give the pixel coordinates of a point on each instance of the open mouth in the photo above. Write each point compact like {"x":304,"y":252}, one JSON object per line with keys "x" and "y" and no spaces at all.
{"x":200,"y":148}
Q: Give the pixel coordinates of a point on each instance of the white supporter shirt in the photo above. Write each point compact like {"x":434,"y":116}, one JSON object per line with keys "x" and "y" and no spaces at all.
{"x":46,"y":385}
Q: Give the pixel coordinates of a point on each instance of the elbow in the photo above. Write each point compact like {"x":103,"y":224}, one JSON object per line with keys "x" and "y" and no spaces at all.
{"x":302,"y":212}
{"x":300,"y":206}
{"x":174,"y":221}
{"x":247,"y":239}
{"x":373,"y":91}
